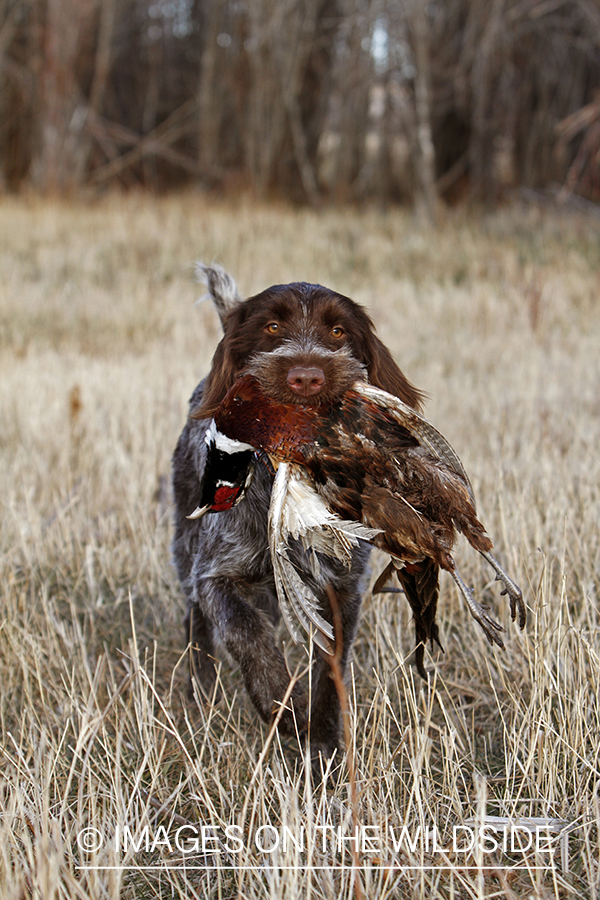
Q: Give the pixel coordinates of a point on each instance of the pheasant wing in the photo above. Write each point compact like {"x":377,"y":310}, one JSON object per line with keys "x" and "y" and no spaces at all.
{"x":427,"y":435}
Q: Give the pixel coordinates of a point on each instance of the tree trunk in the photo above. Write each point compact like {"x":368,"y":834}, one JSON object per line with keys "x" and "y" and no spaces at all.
{"x":426,"y":198}
{"x":55,"y":167}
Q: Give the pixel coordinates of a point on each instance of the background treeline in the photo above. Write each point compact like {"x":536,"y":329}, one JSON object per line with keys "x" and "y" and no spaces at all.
{"x":406,"y":100}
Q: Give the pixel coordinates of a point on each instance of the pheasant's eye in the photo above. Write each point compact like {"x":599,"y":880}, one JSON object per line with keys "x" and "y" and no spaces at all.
{"x":272,"y":327}
{"x":337,"y":331}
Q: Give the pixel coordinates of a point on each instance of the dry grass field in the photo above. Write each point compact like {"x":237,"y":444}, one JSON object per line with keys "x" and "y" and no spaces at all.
{"x":497,"y":317}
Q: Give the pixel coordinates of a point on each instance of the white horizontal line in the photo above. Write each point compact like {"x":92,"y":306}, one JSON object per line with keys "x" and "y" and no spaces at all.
{"x":382,"y":867}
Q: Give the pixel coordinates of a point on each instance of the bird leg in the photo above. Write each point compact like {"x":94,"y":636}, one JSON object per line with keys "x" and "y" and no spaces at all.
{"x":513,"y":590}
{"x":490,"y":627}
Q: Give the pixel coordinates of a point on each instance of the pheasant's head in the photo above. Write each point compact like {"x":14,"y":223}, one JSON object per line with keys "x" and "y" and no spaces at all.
{"x":228,"y":472}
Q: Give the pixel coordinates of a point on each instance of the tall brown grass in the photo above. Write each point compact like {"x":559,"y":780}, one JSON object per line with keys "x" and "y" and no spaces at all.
{"x":497,"y":317}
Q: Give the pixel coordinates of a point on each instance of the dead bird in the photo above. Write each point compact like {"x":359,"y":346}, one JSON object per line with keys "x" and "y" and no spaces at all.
{"x":368,"y":467}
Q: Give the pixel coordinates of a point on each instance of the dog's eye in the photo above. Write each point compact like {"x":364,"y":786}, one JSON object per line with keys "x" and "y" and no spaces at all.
{"x":337,"y":331}
{"x":272,"y":327}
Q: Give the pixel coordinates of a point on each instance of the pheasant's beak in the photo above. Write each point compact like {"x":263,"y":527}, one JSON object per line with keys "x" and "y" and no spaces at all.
{"x":198,"y":512}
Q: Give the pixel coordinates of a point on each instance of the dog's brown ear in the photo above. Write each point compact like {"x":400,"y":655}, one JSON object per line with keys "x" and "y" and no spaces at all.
{"x":224,"y":293}
{"x":218,"y":382}
{"x":384,"y":373}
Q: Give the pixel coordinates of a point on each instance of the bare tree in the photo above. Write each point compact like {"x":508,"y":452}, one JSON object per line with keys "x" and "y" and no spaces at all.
{"x":351,"y":99}
{"x":66,"y":27}
{"x":426,"y":195}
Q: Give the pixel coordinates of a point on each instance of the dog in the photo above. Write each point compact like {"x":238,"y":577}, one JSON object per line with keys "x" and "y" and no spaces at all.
{"x":305,"y":344}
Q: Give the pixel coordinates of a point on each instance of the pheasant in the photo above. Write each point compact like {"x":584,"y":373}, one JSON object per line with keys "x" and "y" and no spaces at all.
{"x":367,"y":468}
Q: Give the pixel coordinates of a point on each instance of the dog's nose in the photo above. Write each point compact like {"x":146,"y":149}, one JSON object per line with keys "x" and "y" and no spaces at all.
{"x":306,"y":381}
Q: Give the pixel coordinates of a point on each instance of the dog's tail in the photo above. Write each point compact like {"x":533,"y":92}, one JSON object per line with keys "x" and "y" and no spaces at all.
{"x":221,"y":287}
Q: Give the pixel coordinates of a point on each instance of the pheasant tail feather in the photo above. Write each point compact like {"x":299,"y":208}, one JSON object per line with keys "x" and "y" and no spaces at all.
{"x":421,"y":586}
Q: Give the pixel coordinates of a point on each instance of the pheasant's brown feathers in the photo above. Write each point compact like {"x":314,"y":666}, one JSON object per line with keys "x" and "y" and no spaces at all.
{"x":377,"y":463}
{"x":370,"y":468}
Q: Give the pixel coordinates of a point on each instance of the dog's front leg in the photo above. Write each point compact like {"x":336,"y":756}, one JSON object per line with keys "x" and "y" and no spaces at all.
{"x":239,"y":623}
{"x":340,"y":592}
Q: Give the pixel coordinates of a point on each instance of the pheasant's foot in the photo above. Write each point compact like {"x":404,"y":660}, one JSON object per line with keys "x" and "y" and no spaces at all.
{"x":491,"y":628}
{"x":511,"y":588}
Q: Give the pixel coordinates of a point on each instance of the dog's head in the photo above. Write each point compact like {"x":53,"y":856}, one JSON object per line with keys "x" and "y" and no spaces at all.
{"x":305,"y":344}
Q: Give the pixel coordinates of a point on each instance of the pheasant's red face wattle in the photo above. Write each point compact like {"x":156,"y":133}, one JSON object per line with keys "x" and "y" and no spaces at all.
{"x":225,"y":498}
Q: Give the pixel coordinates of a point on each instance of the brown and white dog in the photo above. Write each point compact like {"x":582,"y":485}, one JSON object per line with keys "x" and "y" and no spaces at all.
{"x":305,"y":344}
